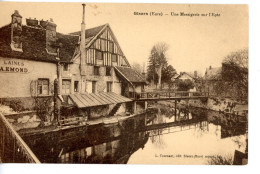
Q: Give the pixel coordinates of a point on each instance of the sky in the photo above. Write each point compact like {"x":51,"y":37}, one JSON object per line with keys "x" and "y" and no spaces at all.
{"x":195,"y":43}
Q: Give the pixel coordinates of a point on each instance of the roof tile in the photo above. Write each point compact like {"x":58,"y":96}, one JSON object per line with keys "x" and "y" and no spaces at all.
{"x":130,"y":74}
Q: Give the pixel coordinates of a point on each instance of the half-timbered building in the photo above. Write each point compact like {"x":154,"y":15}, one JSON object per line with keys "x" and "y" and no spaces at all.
{"x":92,"y":71}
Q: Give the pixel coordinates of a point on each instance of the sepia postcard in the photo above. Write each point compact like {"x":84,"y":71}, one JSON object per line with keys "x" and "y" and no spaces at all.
{"x":124,"y":83}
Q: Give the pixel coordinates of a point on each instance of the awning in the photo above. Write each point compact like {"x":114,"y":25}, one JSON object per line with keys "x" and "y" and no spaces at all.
{"x":89,"y":100}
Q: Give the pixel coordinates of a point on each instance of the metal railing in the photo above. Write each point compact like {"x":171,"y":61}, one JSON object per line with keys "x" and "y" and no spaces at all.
{"x":12,"y":147}
{"x":168,"y":94}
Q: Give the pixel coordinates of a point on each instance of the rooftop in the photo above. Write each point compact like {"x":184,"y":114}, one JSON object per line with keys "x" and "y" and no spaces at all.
{"x":34,"y":44}
{"x":91,"y":32}
{"x":130,"y":74}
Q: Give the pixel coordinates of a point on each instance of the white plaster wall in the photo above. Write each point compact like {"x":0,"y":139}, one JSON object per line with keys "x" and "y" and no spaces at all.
{"x":117,"y":88}
{"x":185,"y":77}
{"x":15,"y":84}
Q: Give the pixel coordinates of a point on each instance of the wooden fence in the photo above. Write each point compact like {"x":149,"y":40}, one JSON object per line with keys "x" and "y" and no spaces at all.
{"x":167,"y":95}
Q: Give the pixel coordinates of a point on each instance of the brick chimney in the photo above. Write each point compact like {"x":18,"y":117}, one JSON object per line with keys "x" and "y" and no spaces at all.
{"x":50,"y":27}
{"x":82,"y":43}
{"x":16,"y":31}
{"x":51,"y":36}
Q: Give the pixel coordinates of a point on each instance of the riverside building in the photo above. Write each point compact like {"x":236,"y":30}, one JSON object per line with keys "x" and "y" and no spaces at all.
{"x":92,"y":71}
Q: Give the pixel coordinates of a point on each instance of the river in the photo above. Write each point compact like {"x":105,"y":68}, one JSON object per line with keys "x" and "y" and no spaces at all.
{"x":157,"y":137}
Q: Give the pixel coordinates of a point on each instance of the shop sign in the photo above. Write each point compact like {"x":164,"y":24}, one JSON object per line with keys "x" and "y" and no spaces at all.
{"x":14,"y":66}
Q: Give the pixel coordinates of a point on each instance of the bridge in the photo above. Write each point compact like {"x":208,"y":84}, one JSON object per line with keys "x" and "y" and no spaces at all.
{"x":168,"y":95}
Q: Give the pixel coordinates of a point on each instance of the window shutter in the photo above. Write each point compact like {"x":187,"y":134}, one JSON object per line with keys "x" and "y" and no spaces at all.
{"x":33,"y":88}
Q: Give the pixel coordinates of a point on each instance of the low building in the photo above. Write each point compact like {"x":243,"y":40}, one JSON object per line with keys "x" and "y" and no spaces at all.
{"x":183,"y":76}
{"x":28,"y":61}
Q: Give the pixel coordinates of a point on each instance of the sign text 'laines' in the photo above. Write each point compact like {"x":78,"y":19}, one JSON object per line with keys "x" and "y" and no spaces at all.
{"x":13,"y":66}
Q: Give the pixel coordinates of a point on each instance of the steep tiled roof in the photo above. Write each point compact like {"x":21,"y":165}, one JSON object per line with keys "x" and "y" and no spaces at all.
{"x":91,"y":32}
{"x":67,"y":45}
{"x":183,"y":73}
{"x":130,"y":74}
{"x":68,"y":42}
{"x":34,"y":44}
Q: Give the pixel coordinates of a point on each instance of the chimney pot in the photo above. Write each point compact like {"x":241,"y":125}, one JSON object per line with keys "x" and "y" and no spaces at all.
{"x":16,"y":31}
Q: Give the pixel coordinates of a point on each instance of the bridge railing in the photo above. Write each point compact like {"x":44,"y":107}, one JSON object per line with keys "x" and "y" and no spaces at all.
{"x":12,"y":147}
{"x":168,"y":94}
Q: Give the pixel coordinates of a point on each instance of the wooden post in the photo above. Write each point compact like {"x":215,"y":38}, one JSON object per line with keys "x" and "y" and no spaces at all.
{"x":145,"y":105}
{"x":175,"y":108}
{"x":134,"y":107}
{"x":56,"y":103}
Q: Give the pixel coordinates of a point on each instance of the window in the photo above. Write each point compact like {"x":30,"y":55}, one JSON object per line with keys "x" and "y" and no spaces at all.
{"x":94,"y":86}
{"x":114,"y":58}
{"x":99,"y":55}
{"x":96,"y":70}
{"x":43,"y":86}
{"x":76,"y":86}
{"x":65,"y":67}
{"x":108,"y":71}
{"x":109,"y":86}
{"x":66,"y":86}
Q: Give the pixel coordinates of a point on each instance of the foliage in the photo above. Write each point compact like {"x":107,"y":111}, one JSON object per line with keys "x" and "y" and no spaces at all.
{"x":158,"y":69}
{"x":16,"y":105}
{"x":137,"y":67}
{"x":167,"y":75}
{"x":234,"y":74}
{"x":200,"y":84}
{"x":220,"y":160}
{"x":43,"y":107}
{"x":184,"y":85}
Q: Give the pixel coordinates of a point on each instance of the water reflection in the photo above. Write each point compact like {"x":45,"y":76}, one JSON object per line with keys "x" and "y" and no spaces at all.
{"x":143,"y":138}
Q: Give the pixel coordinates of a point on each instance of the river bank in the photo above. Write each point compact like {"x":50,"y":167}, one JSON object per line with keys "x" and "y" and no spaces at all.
{"x":224,"y":105}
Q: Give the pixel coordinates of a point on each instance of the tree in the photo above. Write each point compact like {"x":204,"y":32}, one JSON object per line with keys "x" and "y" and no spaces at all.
{"x":157,"y":62}
{"x":167,"y":75}
{"x":137,"y":67}
{"x":184,"y":85}
{"x":234,"y":74}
